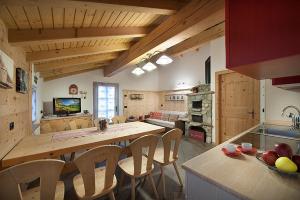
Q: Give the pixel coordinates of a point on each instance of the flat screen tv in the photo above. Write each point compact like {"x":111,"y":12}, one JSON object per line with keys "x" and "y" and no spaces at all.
{"x":66,"y":106}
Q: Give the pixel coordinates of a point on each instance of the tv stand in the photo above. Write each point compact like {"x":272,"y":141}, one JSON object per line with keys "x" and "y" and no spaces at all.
{"x":61,"y":123}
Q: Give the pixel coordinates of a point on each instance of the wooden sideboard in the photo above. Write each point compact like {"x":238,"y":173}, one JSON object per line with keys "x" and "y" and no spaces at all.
{"x":55,"y":124}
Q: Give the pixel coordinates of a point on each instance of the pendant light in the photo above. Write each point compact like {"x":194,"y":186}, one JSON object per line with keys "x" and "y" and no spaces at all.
{"x":164,"y":60}
{"x":137,"y":71}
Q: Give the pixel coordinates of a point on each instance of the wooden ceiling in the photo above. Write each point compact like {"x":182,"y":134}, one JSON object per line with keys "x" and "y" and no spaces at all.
{"x":63,"y":37}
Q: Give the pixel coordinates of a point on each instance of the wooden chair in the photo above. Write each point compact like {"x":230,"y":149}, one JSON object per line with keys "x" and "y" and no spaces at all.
{"x":138,"y":165}
{"x":94,"y":182}
{"x":47,"y":170}
{"x":166,"y":155}
{"x":73,"y":125}
{"x":118,"y":119}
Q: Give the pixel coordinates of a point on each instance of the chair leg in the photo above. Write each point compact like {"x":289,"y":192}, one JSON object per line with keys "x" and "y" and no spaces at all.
{"x":153,"y":186}
{"x":111,"y":195}
{"x":132,"y":188}
{"x":177,"y":172}
{"x":163,"y":181}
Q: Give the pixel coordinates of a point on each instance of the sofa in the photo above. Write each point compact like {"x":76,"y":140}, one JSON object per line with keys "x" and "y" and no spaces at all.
{"x":168,"y":119}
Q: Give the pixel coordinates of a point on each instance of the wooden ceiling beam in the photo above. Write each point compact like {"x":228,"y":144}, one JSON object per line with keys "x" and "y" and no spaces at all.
{"x":197,"y":40}
{"x":160,"y":7}
{"x":67,"y":70}
{"x":195,"y":17}
{"x":38,"y":56}
{"x":41,"y":36}
{"x":49,"y":78}
{"x":74,"y":61}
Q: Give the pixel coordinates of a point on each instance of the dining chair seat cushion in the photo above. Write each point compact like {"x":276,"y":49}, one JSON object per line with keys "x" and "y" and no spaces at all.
{"x":159,"y":156}
{"x":99,"y":184}
{"x":127,"y":166}
{"x":34,"y":193}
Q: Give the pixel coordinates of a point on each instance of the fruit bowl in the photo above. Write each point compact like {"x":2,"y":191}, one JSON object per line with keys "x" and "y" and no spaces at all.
{"x":259,"y":157}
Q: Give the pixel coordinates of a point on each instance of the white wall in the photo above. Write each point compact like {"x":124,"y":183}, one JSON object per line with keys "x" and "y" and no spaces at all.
{"x":186,"y":71}
{"x":84,"y":81}
{"x":277,"y":99}
{"x":218,"y":63}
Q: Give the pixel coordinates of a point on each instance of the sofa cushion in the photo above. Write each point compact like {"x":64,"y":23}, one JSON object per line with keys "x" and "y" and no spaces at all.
{"x":165,"y":117}
{"x":161,"y":123}
{"x":157,"y":115}
{"x":173,"y":118}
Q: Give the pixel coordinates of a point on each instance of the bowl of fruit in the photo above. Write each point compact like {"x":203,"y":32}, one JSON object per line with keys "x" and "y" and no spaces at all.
{"x":281,"y":160}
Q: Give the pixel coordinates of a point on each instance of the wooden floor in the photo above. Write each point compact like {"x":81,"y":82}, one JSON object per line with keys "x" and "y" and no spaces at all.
{"x":188,"y":149}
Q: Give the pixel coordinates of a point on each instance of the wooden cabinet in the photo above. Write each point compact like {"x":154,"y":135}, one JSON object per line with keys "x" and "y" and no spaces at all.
{"x":263,"y":37}
{"x":63,"y":123}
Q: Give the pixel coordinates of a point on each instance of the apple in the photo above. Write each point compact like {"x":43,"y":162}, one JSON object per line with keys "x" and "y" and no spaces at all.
{"x":270,"y":157}
{"x":284,"y":150}
{"x":296,"y":160}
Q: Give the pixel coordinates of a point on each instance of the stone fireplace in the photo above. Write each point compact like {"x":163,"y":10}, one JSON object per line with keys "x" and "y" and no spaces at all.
{"x":200,"y":110}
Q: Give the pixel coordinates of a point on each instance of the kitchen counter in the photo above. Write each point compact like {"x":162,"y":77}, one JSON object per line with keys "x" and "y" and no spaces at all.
{"x":237,"y":178}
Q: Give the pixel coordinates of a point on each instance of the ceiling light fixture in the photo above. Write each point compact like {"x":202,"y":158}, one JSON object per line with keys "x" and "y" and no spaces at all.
{"x":149,"y":66}
{"x":164,"y":60}
{"x":138,"y":71}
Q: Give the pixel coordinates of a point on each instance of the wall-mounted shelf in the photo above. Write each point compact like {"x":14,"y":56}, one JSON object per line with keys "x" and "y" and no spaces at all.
{"x":174,"y":97}
{"x":136,"y":96}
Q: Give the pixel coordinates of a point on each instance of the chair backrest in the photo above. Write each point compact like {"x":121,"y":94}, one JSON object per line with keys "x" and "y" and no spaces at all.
{"x":167,"y":138}
{"x":73,"y":125}
{"x":47,"y":170}
{"x":136,"y":147}
{"x":118,"y":119}
{"x":86,"y":165}
{"x":115,"y":120}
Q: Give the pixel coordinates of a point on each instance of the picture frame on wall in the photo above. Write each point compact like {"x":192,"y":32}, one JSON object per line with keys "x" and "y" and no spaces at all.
{"x":21,"y":80}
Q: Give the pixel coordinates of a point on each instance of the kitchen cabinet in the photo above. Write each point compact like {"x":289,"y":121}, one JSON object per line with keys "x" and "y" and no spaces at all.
{"x":289,"y":83}
{"x":263,"y":37}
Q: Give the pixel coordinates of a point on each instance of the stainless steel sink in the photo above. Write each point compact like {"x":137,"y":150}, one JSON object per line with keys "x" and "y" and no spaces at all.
{"x":276,"y":130}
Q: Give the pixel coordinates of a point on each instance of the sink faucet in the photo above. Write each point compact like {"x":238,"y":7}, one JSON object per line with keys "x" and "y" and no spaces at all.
{"x":295,"y":119}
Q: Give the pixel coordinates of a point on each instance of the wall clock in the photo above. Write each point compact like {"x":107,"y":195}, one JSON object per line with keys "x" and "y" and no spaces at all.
{"x":73,"y":89}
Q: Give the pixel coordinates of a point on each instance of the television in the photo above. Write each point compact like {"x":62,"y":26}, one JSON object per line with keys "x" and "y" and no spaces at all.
{"x":66,"y":106}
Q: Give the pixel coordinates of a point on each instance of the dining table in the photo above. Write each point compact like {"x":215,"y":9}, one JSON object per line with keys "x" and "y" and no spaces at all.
{"x":56,"y":144}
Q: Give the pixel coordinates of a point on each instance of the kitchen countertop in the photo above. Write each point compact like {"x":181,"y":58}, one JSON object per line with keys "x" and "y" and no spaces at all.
{"x":244,"y":177}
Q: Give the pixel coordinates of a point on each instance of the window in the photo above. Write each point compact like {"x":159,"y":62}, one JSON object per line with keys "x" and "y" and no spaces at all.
{"x":34,"y":106}
{"x":105,"y":100}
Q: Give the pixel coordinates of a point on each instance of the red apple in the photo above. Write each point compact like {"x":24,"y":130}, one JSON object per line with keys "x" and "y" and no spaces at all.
{"x":296,"y":160}
{"x":270,"y":157}
{"x":284,"y":150}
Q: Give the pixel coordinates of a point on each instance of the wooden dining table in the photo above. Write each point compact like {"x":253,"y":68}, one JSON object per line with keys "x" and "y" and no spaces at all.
{"x":53,"y":145}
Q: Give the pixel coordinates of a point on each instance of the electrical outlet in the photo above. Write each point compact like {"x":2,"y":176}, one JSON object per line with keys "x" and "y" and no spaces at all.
{"x":11,"y":125}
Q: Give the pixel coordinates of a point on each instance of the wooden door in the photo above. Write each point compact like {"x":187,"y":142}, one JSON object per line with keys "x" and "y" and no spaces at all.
{"x":239,"y":104}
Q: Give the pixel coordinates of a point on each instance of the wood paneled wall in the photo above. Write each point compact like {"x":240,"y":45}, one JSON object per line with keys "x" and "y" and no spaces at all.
{"x":152,"y":101}
{"x":149,"y":103}
{"x":172,"y":105}
{"x":14,"y":107}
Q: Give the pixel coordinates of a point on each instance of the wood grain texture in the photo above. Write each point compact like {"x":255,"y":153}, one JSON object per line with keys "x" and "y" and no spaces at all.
{"x":195,"y":17}
{"x":25,"y":37}
{"x":47,"y":170}
{"x":49,"y":55}
{"x":43,"y":146}
{"x":93,"y":182}
{"x":14,"y":107}
{"x":166,"y":7}
{"x":197,"y":40}
{"x":69,"y":62}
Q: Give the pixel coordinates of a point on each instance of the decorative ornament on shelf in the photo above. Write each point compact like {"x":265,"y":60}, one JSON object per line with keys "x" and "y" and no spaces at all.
{"x":83,"y":94}
{"x":73,"y":89}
